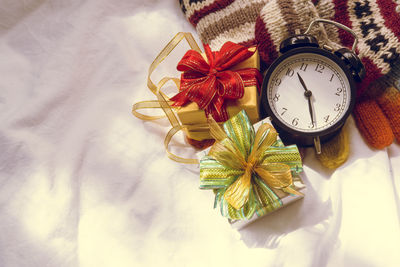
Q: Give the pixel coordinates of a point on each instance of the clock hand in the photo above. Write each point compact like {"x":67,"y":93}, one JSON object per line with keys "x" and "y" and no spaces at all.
{"x":302,"y":82}
{"x":307,"y":94}
{"x":310,"y":108}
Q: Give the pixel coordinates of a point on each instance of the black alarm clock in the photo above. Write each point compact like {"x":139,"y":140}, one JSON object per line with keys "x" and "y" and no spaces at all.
{"x":309,"y":91}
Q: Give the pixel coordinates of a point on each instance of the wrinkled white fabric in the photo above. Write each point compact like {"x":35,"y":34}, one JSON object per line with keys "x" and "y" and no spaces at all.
{"x":84,"y":183}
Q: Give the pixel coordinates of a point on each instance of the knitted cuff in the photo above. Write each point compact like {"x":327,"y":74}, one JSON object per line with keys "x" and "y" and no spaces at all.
{"x":219,"y":21}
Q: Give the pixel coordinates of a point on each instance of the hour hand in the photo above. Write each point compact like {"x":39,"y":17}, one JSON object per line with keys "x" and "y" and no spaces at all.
{"x":302,"y":82}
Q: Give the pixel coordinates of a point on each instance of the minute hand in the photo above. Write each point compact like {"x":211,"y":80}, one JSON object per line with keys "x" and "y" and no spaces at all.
{"x":307,"y":94}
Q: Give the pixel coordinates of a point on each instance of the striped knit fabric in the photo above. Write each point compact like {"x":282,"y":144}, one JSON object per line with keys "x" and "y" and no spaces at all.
{"x":279,"y":20}
{"x":219,"y":21}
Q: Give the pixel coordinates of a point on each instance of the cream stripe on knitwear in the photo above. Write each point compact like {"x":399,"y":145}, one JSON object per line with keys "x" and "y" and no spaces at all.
{"x":219,"y":21}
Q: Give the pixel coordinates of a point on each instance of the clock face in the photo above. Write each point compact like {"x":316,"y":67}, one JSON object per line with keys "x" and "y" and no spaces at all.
{"x":308,"y":92}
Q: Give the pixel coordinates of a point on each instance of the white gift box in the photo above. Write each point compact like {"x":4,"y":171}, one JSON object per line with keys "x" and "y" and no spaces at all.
{"x":286,"y":199}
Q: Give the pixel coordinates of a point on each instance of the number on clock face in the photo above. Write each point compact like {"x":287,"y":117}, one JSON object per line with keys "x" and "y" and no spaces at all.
{"x":323,"y":77}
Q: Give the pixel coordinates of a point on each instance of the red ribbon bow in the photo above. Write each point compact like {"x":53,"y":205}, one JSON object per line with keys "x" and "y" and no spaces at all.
{"x":209,"y":84}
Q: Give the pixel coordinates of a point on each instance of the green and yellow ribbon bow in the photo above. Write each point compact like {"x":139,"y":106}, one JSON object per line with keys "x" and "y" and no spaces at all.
{"x":248,"y":171}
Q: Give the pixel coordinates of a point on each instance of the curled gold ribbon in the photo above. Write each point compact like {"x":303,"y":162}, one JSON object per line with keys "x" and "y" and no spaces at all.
{"x":163,"y":100}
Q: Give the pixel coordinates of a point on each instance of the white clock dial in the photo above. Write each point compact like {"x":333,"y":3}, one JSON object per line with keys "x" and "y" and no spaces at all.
{"x":326,"y":102}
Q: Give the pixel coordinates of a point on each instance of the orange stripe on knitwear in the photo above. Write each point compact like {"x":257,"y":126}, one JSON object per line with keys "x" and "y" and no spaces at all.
{"x":389,"y":102}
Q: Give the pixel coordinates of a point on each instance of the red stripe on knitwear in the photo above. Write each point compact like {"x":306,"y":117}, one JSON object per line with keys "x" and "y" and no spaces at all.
{"x":342,"y":16}
{"x":391,"y":18}
{"x":372,"y":74}
{"x":266,"y":47}
{"x":215,"y":6}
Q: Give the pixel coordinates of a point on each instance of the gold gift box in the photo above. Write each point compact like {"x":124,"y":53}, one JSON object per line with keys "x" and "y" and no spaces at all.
{"x":192,"y":115}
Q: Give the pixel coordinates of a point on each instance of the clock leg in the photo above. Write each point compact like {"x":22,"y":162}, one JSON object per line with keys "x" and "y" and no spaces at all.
{"x":317,"y":144}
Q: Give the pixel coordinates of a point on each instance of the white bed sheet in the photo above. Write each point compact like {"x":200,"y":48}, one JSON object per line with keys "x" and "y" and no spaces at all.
{"x":84,"y":183}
